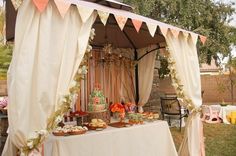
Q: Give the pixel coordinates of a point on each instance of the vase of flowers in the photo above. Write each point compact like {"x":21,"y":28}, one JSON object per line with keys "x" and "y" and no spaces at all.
{"x":118,"y":111}
{"x":130,"y":107}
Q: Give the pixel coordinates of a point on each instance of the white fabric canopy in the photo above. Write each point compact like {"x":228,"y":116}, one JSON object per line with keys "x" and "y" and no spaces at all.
{"x":183,"y":50}
{"x":145,"y":73}
{"x":48,"y":51}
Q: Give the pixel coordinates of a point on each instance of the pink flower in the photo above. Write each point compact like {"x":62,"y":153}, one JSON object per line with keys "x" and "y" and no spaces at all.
{"x":96,"y":100}
{"x":4,"y":102}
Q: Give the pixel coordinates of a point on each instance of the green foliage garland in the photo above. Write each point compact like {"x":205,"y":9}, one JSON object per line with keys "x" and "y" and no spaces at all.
{"x":176,"y":83}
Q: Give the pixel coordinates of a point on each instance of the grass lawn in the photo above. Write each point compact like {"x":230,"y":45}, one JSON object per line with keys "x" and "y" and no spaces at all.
{"x":220,"y":139}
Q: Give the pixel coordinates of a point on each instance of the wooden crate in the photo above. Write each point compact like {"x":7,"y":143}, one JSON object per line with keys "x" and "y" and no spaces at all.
{"x":104,"y":115}
{"x":3,"y":125}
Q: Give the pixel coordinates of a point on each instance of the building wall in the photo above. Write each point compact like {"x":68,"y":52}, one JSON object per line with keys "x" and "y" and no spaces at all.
{"x":210,"y":86}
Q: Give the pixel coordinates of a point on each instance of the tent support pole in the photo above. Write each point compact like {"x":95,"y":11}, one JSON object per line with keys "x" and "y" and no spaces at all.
{"x":148,"y":52}
{"x":136,"y":77}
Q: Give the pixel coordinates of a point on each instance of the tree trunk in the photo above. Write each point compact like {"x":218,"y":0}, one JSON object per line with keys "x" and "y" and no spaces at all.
{"x":231,"y":80}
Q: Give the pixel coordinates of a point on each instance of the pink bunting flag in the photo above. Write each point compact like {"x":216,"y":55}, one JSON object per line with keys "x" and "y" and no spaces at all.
{"x":121,"y":20}
{"x":175,"y":32}
{"x":203,"y":39}
{"x":164,"y":30}
{"x":41,"y":4}
{"x":137,"y":24}
{"x":62,"y":6}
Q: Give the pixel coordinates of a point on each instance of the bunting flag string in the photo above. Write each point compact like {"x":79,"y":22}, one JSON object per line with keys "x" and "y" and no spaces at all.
{"x":103,"y":16}
{"x":41,"y":4}
{"x":152,"y":28}
{"x":137,"y":24}
{"x":121,"y":21}
{"x":84,"y":12}
{"x":62,"y":6}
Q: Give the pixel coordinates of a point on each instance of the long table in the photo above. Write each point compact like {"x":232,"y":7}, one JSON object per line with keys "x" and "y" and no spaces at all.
{"x":150,"y":139}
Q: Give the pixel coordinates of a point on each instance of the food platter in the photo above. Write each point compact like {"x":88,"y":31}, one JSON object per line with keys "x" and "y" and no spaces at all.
{"x":69,"y":130}
{"x":120,"y":124}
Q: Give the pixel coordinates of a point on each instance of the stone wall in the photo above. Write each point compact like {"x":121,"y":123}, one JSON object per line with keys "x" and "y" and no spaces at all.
{"x":154,"y":100}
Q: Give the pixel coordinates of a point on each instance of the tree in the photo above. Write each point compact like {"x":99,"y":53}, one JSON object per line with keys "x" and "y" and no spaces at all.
{"x":143,"y":7}
{"x":231,"y":65}
{"x":201,"y":16}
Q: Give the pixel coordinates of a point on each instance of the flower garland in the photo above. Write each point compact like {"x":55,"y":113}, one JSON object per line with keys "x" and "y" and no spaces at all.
{"x":38,"y":137}
{"x":176,"y":83}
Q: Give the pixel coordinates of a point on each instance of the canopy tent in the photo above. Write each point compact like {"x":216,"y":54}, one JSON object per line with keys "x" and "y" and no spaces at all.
{"x":50,"y":45}
{"x":11,"y":14}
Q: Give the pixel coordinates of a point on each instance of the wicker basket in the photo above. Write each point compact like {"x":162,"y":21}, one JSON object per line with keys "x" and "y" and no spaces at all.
{"x":59,"y":133}
{"x":78,"y":132}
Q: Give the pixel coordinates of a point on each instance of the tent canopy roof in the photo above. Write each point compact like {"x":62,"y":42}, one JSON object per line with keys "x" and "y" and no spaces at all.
{"x":138,"y":31}
{"x":129,"y":37}
{"x":113,"y":4}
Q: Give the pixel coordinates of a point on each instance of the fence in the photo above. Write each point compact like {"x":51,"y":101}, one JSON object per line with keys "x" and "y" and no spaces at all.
{"x":211,"y":85}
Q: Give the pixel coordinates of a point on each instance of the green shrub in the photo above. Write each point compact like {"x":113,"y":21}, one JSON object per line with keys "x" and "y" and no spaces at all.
{"x":5,"y":59}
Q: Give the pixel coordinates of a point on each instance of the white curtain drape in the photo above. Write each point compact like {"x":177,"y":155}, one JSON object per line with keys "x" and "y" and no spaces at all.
{"x":115,"y":75}
{"x":48,"y":51}
{"x":145,"y":74}
{"x":183,"y":51}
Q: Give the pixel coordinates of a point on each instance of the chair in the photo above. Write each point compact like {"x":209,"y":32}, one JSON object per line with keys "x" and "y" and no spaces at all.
{"x":170,"y":106}
{"x":211,"y":114}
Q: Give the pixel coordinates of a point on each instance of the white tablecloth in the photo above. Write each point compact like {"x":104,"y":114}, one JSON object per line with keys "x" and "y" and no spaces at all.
{"x":225,"y":110}
{"x":150,"y":139}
